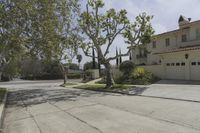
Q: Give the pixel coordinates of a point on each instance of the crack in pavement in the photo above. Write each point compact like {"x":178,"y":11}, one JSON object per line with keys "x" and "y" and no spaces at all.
{"x":65,"y":111}
{"x":19,"y":119}
{"x":77,"y":118}
{"x":84,"y":106}
{"x":31,"y":116}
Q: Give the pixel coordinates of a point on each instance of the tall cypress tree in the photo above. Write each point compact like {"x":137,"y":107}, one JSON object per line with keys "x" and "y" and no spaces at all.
{"x":117,"y":59}
{"x":93,"y":59}
{"x":120,"y":58}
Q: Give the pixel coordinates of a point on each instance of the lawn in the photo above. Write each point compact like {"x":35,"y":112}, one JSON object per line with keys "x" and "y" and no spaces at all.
{"x":2,"y":94}
{"x":101,"y":87}
{"x":68,"y":84}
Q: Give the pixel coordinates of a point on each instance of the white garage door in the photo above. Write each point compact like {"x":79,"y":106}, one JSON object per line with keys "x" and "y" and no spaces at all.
{"x":195,"y":70}
{"x":175,"y":70}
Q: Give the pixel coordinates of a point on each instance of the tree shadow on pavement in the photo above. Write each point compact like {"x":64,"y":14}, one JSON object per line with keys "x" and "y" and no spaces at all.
{"x":38,"y":96}
{"x":137,"y":90}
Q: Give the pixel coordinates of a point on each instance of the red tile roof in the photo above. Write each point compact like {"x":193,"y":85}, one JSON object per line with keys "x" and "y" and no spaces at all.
{"x":188,"y":48}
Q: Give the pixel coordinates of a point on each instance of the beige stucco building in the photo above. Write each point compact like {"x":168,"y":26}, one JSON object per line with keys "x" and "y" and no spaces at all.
{"x":174,"y":54}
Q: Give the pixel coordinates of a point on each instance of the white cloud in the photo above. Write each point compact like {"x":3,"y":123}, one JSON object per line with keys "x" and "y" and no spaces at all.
{"x":159,"y":28}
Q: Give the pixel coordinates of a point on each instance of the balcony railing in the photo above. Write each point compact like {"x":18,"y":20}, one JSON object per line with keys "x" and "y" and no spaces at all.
{"x":190,"y":43}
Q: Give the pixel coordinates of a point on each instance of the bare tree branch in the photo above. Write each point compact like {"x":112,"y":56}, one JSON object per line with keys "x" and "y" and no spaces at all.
{"x":113,"y":38}
{"x":86,"y":54}
{"x":120,"y":55}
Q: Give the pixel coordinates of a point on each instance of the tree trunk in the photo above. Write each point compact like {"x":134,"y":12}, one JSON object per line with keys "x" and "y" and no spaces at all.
{"x":64,"y":72}
{"x":65,"y":77}
{"x":109,"y":78}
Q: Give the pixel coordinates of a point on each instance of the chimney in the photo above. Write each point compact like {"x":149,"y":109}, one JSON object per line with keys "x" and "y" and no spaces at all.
{"x":183,"y":20}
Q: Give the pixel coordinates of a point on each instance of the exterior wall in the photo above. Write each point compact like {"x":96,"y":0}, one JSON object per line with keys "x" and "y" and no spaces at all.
{"x":157,"y":63}
{"x":160,"y":46}
{"x":95,"y":73}
{"x":157,"y":70}
{"x":134,"y":53}
{"x":192,"y":40}
{"x":116,"y":73}
{"x":185,"y":72}
{"x":136,"y":59}
{"x":192,"y":30}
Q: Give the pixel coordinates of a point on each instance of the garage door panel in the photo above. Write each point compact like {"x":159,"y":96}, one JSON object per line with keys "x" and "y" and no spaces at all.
{"x":195,"y":70}
{"x":175,"y":70}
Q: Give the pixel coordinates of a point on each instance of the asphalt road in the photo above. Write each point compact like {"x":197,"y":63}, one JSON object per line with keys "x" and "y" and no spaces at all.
{"x":44,"y":107}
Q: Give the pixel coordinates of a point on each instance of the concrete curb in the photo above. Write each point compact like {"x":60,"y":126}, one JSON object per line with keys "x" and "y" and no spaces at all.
{"x":2,"y":110}
{"x":170,"y":98}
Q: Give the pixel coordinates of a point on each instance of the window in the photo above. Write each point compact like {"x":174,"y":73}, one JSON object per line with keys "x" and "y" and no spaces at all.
{"x":197,"y":34}
{"x":177,"y":64}
{"x":168,"y":64}
{"x":183,"y":64}
{"x":154,"y":44}
{"x":184,"y":38}
{"x":199,"y":63}
{"x":193,"y":63}
{"x":167,"y":42}
{"x":172,"y":64}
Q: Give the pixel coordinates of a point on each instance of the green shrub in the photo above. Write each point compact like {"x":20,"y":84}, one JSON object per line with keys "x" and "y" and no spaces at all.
{"x":138,"y":72}
{"x":87,"y":75}
{"x":126,"y":67}
{"x":72,"y":66}
{"x":89,"y":65}
{"x":46,"y":76}
{"x":117,"y":76}
{"x":142,"y":76}
{"x":74,"y":75}
{"x":35,"y":69}
{"x":120,"y":79}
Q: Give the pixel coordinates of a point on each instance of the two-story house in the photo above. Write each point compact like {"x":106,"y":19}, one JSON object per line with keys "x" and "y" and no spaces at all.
{"x":174,"y":54}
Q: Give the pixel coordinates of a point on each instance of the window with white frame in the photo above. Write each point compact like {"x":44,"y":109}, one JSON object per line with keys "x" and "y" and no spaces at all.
{"x":167,"y":42}
{"x":184,"y":38}
{"x":198,"y":33}
{"x":154,"y":44}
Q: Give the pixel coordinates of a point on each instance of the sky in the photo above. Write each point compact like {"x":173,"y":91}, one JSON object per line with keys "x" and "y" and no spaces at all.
{"x":166,"y":14}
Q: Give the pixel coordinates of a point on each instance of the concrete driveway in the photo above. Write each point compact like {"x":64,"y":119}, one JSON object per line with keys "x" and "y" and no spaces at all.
{"x":174,"y":89}
{"x":44,"y":107}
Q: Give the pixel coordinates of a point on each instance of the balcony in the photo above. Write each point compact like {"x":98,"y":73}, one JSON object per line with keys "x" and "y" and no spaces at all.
{"x":190,"y":43}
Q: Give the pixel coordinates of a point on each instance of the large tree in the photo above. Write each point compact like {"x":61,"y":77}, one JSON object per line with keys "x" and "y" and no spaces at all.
{"x":46,"y":29}
{"x":12,"y":35}
{"x":101,"y":29}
